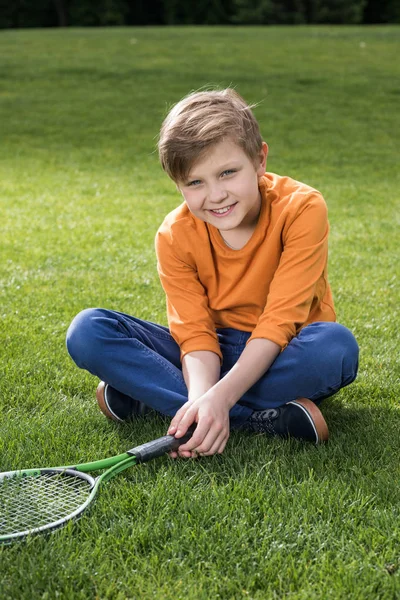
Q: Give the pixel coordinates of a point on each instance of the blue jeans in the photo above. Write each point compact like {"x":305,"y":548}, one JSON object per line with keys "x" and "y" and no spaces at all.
{"x":142,"y":360}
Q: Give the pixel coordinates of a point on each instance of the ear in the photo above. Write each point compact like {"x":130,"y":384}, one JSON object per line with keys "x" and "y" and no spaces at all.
{"x":262,"y":159}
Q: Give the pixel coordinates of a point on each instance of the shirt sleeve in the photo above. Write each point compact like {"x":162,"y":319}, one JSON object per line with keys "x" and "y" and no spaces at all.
{"x":300,"y":279}
{"x":189,"y":316}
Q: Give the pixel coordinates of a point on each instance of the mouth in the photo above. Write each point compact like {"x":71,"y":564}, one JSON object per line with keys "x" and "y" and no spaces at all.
{"x":223,"y":212}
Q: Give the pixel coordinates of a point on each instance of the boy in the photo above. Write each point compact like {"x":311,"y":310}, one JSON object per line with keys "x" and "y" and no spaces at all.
{"x":252,"y":341}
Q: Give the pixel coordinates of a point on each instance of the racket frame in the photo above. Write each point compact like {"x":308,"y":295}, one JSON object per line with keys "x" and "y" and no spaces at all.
{"x":113,"y":464}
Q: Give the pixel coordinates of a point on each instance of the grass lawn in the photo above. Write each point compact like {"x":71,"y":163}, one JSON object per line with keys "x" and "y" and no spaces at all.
{"x":81,"y":196}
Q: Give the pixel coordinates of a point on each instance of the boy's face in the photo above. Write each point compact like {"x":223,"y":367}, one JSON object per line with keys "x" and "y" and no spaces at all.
{"x":222,"y":187}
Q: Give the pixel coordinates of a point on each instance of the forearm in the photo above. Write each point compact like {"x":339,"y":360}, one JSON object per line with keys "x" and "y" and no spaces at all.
{"x":254,"y":362}
{"x":201,"y":371}
{"x":209,"y":403}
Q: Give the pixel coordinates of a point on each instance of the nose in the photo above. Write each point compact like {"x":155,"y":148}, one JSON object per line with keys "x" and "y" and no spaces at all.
{"x":217,"y":193}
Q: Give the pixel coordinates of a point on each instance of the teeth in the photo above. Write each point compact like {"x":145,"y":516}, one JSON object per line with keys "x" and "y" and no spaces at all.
{"x":221,"y":211}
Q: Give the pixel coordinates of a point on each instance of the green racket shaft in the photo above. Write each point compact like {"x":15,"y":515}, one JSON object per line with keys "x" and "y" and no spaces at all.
{"x":39,"y":500}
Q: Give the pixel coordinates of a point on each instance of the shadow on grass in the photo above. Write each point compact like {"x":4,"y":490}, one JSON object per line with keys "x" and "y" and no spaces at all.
{"x":362,"y":456}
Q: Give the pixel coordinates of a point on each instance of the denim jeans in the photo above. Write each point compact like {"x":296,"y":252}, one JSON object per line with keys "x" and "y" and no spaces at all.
{"x":142,"y":360}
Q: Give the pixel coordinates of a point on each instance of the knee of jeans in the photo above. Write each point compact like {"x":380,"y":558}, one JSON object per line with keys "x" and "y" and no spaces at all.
{"x":81,"y":336}
{"x":341,"y":344}
{"x":351,"y":352}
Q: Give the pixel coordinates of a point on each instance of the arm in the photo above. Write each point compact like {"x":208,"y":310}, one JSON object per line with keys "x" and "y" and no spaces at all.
{"x":253,"y":363}
{"x":201,"y":370}
{"x":300,"y":280}
{"x":189,"y":315}
{"x":211,"y":410}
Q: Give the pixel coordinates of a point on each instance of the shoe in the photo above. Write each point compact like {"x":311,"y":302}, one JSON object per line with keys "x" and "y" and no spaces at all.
{"x":300,"y":418}
{"x":117,"y":406}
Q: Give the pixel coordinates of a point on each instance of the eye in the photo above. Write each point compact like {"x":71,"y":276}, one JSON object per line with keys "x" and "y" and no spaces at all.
{"x":193,"y":183}
{"x":228,"y":172}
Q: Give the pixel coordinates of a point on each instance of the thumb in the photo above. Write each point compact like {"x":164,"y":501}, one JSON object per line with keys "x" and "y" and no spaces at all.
{"x":176,"y":420}
{"x":187,"y":424}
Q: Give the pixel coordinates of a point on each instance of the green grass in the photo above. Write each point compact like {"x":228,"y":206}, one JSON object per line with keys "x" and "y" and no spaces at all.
{"x":82,"y":196}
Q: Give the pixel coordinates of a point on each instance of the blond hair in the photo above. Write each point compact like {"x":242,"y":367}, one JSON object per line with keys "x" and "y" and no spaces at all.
{"x":201,"y":120}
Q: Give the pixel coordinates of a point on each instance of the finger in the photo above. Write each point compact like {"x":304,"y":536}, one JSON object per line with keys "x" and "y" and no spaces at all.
{"x":219,"y":446}
{"x":192,"y":454}
{"x":223,"y":445}
{"x":212,"y":443}
{"x":177,"y":419}
{"x":212,"y":446}
{"x":187,"y":420}
{"x":198,"y":436}
{"x":214,"y":435}
{"x":185,"y":454}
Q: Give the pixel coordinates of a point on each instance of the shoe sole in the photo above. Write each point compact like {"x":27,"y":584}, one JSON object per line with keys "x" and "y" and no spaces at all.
{"x":319,"y":424}
{"x":101,"y":401}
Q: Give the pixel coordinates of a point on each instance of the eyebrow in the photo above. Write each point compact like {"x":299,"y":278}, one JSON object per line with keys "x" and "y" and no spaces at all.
{"x":231,"y":165}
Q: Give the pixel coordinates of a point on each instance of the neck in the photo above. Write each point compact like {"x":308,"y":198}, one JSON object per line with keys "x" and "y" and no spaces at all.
{"x":228,"y":244}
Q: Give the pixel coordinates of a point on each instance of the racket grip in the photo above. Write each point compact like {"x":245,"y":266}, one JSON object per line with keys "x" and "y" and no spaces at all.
{"x":160,"y":446}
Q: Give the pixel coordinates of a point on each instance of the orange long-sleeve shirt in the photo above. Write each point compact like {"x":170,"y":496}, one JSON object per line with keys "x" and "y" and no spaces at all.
{"x":273,"y":286}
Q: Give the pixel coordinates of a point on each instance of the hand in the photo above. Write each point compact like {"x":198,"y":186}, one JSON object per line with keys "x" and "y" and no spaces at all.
{"x":212,"y":432}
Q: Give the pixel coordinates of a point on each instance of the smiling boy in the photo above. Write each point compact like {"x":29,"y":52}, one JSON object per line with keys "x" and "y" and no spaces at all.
{"x":252,"y":341}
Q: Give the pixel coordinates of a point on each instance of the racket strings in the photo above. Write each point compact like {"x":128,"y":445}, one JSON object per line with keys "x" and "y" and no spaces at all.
{"x":27,"y":503}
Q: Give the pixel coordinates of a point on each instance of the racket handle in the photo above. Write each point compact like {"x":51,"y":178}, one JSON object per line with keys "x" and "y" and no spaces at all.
{"x":160,"y":446}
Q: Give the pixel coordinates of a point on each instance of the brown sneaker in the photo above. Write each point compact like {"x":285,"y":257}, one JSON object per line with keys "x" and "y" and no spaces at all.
{"x":299,"y":418}
{"x":117,"y":406}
